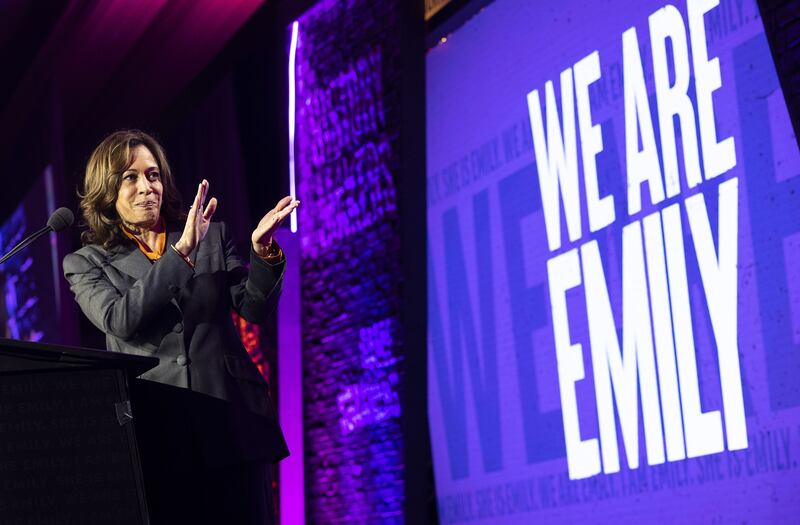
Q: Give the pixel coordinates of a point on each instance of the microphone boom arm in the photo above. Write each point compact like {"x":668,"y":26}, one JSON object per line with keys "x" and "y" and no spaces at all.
{"x":25,"y":242}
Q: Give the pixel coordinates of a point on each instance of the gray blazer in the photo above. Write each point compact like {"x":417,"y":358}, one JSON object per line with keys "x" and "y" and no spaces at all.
{"x":182,"y":316}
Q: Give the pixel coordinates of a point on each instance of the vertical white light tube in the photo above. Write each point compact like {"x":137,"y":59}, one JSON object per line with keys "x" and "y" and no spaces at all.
{"x":292,"y":53}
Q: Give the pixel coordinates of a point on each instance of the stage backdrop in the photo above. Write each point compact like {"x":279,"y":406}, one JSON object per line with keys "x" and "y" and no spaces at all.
{"x":614,"y":266}
{"x":348,"y":151}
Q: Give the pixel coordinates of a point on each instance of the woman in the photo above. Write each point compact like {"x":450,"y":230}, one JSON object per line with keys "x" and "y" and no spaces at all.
{"x":162,"y":286}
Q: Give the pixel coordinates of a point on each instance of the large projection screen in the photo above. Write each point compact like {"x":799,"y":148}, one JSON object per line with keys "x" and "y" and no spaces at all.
{"x":613,"y":266}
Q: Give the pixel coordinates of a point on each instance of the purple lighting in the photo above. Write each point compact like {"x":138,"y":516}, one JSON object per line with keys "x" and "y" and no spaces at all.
{"x":290,"y":387}
{"x":346,"y":151}
{"x":374,"y":399}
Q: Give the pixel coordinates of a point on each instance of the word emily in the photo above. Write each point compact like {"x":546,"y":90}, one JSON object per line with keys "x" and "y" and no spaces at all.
{"x":657,"y":351}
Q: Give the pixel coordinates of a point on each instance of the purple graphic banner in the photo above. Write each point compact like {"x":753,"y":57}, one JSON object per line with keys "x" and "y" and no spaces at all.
{"x":614,"y":307}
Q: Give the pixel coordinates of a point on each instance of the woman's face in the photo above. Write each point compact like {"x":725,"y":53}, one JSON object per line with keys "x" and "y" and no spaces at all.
{"x":139,"y":196}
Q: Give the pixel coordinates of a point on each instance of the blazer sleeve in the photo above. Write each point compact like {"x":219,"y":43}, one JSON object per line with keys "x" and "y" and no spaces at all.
{"x":254,"y":294}
{"x":123,"y":314}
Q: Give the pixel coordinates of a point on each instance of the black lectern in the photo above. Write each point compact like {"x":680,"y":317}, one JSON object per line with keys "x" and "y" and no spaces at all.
{"x":68,"y":451}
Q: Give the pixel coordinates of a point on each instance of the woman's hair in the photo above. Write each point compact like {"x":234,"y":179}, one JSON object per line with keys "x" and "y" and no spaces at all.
{"x":110,"y":159}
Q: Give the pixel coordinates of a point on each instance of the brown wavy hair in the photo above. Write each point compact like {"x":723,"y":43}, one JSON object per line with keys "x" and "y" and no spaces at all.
{"x":109,"y":160}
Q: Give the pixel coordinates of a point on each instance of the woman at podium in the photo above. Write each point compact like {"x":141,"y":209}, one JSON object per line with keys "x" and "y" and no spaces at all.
{"x":161,"y":282}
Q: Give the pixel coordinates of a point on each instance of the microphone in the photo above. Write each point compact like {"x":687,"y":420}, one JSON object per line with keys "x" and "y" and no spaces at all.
{"x":60,"y":219}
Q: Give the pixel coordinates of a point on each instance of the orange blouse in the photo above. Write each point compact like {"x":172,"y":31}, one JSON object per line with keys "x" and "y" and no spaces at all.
{"x":152,"y":254}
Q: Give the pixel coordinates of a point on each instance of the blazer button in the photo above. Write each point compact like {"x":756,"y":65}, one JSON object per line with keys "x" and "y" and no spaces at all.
{"x":182,"y":360}
{"x":173,"y":288}
{"x":178,"y":328}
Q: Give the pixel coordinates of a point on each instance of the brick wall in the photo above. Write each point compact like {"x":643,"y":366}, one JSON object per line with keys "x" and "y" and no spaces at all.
{"x":348,"y":158}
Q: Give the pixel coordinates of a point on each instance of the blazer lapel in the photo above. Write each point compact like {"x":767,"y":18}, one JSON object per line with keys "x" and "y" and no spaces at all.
{"x":130,"y":260}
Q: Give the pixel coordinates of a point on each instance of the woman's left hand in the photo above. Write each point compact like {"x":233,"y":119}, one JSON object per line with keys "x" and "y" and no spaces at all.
{"x":269,"y":223}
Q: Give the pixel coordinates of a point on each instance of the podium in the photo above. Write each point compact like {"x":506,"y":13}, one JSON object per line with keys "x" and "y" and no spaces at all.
{"x":68,"y":451}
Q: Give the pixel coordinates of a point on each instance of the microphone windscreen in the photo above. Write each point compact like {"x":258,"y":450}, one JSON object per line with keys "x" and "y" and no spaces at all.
{"x":60,"y":219}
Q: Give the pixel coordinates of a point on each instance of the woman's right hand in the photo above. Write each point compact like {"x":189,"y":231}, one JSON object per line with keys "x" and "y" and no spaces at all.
{"x":197,"y":221}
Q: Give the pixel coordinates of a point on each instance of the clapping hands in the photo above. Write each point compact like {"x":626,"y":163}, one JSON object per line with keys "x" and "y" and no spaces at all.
{"x":269,"y":224}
